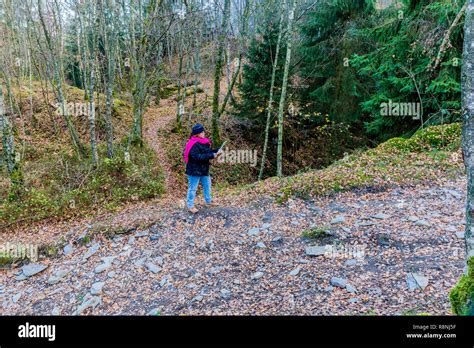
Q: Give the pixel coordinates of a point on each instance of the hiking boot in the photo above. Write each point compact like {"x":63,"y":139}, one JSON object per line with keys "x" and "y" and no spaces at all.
{"x":210,"y":205}
{"x":193,"y":210}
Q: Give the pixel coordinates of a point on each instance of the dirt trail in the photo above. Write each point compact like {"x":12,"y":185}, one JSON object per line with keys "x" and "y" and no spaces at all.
{"x":161,"y":118}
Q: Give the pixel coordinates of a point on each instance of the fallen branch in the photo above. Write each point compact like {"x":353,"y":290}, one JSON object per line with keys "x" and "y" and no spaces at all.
{"x":442,"y":48}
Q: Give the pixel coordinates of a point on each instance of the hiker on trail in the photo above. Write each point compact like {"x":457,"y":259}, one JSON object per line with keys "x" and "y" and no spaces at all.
{"x":197,"y":154}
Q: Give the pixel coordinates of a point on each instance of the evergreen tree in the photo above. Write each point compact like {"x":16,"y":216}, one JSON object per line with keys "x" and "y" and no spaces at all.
{"x":403,"y":66}
{"x":356,"y":58}
{"x":255,"y":87}
{"x":329,"y":35}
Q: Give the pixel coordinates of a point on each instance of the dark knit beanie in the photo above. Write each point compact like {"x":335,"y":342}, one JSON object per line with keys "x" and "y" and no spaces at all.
{"x":198,"y":128}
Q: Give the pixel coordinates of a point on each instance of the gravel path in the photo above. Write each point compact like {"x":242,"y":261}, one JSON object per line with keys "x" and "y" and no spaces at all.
{"x":400,"y":251}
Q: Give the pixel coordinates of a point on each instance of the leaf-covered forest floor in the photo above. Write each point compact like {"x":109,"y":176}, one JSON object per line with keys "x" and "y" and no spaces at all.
{"x":254,"y":259}
{"x":396,"y":242}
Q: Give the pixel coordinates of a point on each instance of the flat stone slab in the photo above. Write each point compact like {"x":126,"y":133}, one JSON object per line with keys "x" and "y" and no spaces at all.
{"x":89,"y":302}
{"x":416,"y":281}
{"x":295,"y":271}
{"x":68,"y":249}
{"x":142,"y":234}
{"x":316,"y":250}
{"x":58,"y":276}
{"x":96,"y":288}
{"x":350,"y":262}
{"x":102,"y":267}
{"x":253,"y":231}
{"x":32,"y":269}
{"x":338,"y":220}
{"x":339,"y":282}
{"x":152,"y":267}
{"x":351,"y":288}
{"x":422,"y":223}
{"x":257,"y":275}
{"x":92,"y":250}
{"x":381,"y":216}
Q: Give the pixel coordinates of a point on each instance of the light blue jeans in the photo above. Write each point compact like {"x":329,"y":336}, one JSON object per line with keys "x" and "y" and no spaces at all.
{"x":193,"y":182}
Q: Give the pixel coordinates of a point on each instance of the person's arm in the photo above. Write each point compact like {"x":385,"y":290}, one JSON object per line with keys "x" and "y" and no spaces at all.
{"x":195,"y":154}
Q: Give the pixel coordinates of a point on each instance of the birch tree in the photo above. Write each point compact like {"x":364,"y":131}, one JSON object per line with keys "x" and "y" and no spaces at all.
{"x":196,"y":67}
{"x":145,"y":36}
{"x":270,"y":99}
{"x":12,"y":72}
{"x":90,"y":44}
{"x":281,"y":107}
{"x":468,"y":122}
{"x":462,"y":295}
{"x":110,"y":39}
{"x":7,"y":136}
{"x":54,"y":50}
{"x":8,"y":144}
{"x":217,"y":109}
{"x":179,"y":105}
{"x":218,"y":72}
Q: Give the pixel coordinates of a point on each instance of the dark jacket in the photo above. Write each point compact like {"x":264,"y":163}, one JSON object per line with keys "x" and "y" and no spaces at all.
{"x":198,"y":159}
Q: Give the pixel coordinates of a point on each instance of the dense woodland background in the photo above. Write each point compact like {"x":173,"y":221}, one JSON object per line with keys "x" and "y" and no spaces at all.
{"x":97,"y":99}
{"x":300,"y":81}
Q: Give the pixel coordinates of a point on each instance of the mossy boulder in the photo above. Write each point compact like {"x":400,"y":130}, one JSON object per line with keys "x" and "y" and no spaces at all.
{"x":462,"y":295}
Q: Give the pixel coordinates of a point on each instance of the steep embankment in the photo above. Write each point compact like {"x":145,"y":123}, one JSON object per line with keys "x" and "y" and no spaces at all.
{"x":60,"y":184}
{"x":432,"y":155}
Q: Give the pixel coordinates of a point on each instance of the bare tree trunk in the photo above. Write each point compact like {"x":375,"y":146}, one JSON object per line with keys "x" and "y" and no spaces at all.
{"x":8,"y":143}
{"x":7,"y":136}
{"x":270,"y":99}
{"x":185,"y":86}
{"x":221,"y":109}
{"x":143,"y":47}
{"x":218,"y":73}
{"x":110,"y":47}
{"x":462,"y":295}
{"x":283,"y":90}
{"x":89,"y":67}
{"x":92,"y":81}
{"x":168,"y":50}
{"x":91,"y":115}
{"x":468,"y":122}
{"x":82,"y":53}
{"x":59,"y":86}
{"x":179,"y":121}
{"x":197,"y":69}
{"x":229,"y":73}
